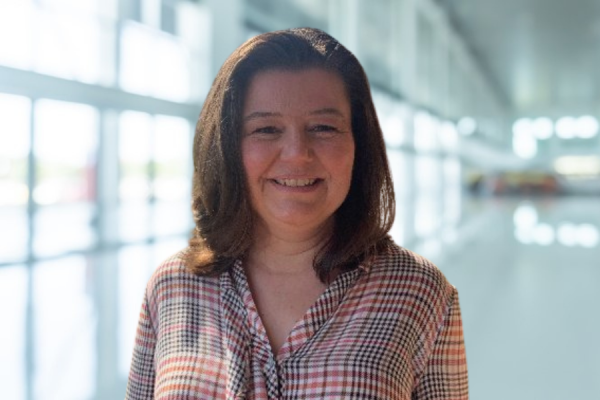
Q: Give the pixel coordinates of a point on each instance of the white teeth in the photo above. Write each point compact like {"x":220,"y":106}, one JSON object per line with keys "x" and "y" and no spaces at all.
{"x":295,"y":182}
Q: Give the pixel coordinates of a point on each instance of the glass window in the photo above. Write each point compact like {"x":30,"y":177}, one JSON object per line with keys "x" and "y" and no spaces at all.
{"x":425,"y":38}
{"x":427,"y":215}
{"x":292,"y":12}
{"x":69,"y":46}
{"x":393,"y":117}
{"x":14,"y":193}
{"x":399,"y":169}
{"x":136,"y":73}
{"x":172,"y":164}
{"x":135,"y":153}
{"x":64,"y":336}
{"x":102,"y":8}
{"x":168,"y":20}
{"x":16,"y":33}
{"x":449,"y":136}
{"x":172,"y":168}
{"x":437,"y":63}
{"x":194,"y":29}
{"x":150,"y":12}
{"x":375,"y":40}
{"x":154,"y":63}
{"x":395,"y":125}
{"x":135,"y":145}
{"x":426,"y":132}
{"x":165,"y":248}
{"x":134,"y":221}
{"x":79,"y":6}
{"x":65,"y":150}
{"x":171,"y":218}
{"x":172,"y":75}
{"x":427,"y":174}
{"x":428,"y":205}
{"x":13,"y":234}
{"x":134,"y":271}
{"x":13,"y":312}
{"x":14,"y":149}
{"x":452,"y":191}
{"x":62,"y":228}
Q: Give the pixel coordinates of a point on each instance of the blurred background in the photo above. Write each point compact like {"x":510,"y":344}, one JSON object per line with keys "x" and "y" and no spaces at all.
{"x":489,"y":110}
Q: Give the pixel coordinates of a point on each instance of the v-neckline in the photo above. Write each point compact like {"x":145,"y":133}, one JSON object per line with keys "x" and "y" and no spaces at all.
{"x":306,"y":327}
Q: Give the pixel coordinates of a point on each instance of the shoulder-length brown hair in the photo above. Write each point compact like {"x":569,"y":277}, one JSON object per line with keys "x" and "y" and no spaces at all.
{"x":220,"y":199}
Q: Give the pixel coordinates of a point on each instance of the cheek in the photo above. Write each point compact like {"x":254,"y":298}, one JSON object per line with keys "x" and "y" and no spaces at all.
{"x":254,"y":160}
{"x":342,"y":161}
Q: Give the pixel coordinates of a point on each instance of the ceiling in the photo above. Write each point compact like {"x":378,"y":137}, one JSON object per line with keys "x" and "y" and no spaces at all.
{"x":543,"y":55}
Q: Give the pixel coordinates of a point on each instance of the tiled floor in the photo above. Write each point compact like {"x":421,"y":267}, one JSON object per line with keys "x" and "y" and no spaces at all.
{"x":528,"y":274}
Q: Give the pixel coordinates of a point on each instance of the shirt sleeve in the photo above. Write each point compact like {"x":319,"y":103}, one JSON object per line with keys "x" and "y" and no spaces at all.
{"x":140,"y":385}
{"x":445,"y":375}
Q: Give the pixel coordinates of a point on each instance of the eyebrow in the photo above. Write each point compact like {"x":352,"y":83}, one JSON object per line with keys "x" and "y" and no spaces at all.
{"x":328,"y":111}
{"x":267,"y":114}
{"x":260,"y":114}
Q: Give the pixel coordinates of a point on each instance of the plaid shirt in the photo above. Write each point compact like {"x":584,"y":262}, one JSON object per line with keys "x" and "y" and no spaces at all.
{"x":390,"y":329}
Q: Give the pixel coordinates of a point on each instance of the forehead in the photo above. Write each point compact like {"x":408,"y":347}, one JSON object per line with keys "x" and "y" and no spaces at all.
{"x":293,"y":91}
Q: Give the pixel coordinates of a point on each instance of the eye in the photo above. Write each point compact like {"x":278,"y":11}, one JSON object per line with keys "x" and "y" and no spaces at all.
{"x":324,"y":129}
{"x":265,"y":130}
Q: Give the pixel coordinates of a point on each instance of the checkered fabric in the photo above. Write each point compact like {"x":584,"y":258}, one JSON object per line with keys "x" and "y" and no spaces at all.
{"x":388,"y":330}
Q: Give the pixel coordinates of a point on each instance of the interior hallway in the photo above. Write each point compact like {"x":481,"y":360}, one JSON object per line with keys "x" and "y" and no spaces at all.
{"x":527,"y":274}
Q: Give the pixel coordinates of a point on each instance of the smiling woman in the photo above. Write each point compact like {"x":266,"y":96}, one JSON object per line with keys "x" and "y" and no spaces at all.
{"x":297,"y":148}
{"x":291,"y":287}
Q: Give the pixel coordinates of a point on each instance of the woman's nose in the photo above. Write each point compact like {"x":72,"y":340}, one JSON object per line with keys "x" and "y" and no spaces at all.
{"x":297,"y":146}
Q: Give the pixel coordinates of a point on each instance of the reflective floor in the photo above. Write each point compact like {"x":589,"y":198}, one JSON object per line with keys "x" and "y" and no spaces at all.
{"x":527,"y":271}
{"x":528,"y":279}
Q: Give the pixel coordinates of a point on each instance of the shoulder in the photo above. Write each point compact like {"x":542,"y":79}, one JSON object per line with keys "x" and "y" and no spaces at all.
{"x":171,"y":271}
{"x":411,"y":273}
{"x":172,"y":279}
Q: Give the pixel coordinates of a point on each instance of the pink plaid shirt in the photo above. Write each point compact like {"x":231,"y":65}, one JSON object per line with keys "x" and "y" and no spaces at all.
{"x":390,"y":329}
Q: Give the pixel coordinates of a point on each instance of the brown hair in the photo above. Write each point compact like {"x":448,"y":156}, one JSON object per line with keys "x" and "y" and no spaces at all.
{"x":220,"y":199}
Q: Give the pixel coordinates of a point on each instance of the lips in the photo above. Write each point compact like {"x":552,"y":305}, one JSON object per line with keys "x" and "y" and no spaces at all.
{"x":296,"y":182}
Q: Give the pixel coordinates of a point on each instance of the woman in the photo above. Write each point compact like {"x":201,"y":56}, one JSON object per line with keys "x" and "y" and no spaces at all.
{"x":291,"y":287}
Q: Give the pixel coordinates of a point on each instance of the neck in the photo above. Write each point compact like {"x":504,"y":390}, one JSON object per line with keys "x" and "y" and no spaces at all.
{"x":285,"y":253}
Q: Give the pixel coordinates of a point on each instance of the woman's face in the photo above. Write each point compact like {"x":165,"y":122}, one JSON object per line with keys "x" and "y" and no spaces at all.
{"x":297,"y":147}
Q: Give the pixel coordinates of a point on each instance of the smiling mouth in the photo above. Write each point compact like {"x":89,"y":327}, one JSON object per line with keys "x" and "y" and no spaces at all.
{"x":296,"y":182}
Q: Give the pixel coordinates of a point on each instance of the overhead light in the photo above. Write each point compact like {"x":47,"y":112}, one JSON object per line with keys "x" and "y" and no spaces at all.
{"x":522,"y":125}
{"x":467,"y":126}
{"x":524,"y":145}
{"x":525,"y":216}
{"x":587,"y":127}
{"x":578,"y":165}
{"x":588,"y":236}
{"x":543,"y":234}
{"x":566,"y":128}
{"x":567,"y":234}
{"x":524,"y":236}
{"x":542,"y":128}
